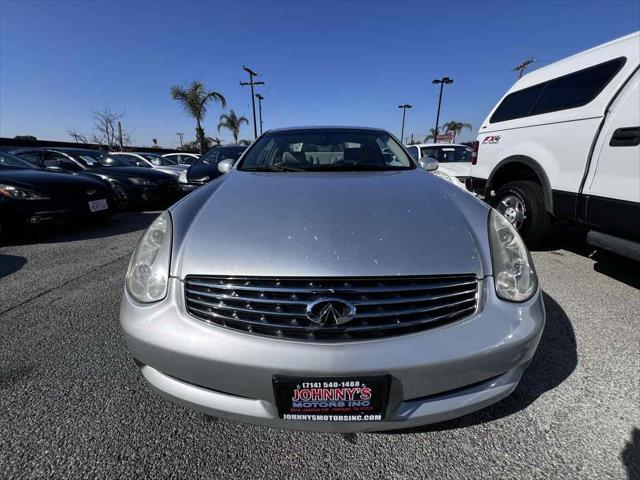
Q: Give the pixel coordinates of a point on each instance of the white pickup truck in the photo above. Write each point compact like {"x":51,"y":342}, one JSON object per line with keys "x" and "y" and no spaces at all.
{"x":564,"y":142}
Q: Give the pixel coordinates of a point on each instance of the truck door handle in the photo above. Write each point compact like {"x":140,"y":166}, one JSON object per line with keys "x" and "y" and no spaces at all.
{"x":625,"y":137}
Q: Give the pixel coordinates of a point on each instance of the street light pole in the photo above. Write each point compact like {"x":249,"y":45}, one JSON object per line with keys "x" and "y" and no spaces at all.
{"x":260,"y":98}
{"x":253,"y":100}
{"x":404,"y":111}
{"x":442,"y":81}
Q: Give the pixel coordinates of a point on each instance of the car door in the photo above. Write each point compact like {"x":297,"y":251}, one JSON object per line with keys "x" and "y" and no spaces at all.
{"x":612,"y":190}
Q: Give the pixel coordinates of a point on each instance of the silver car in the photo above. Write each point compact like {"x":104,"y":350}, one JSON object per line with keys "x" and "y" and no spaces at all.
{"x":328,"y":283}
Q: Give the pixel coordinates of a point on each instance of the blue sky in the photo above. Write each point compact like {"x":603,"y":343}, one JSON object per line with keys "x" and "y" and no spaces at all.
{"x":348,"y":63}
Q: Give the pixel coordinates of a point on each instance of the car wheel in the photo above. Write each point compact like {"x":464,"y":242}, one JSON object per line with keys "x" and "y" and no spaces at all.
{"x":522,"y":203}
{"x":122,"y":197}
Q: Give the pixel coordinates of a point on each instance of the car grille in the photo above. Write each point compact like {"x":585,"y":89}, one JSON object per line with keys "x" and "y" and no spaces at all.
{"x":385,"y":306}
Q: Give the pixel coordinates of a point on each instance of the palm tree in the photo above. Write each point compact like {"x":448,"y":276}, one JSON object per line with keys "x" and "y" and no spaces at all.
{"x":232,"y":123}
{"x":456,"y":127}
{"x":215,"y":141}
{"x":194,"y":99}
{"x":430,"y":136}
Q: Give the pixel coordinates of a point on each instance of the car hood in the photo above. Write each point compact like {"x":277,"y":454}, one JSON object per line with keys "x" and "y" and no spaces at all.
{"x":329,"y":224}
{"x":458,"y":169}
{"x":49,"y":182}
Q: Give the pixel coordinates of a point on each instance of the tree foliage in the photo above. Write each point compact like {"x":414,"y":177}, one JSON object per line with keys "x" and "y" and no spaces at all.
{"x":195,"y":99}
{"x":230,"y":121}
{"x":105,"y":130}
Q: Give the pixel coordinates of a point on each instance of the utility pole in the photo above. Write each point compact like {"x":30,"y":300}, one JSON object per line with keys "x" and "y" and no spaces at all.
{"x":520,"y":68}
{"x":260,"y":98}
{"x":442,"y":81}
{"x":120,"y":136}
{"x":180,"y":135}
{"x":404,"y":111}
{"x":253,"y":100}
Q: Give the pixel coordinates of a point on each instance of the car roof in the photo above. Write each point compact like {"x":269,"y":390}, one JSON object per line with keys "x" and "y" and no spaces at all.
{"x":437,"y":145}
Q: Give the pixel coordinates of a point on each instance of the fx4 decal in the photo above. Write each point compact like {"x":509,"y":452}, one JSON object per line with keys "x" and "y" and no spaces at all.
{"x":491,"y":139}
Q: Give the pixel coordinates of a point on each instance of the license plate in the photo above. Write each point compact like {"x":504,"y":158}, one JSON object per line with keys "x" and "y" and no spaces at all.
{"x":98,"y":205}
{"x":349,"y":399}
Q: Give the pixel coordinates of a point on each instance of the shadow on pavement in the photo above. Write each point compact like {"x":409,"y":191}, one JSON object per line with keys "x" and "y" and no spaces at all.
{"x":86,"y":230}
{"x":573,"y":239}
{"x":631,"y":455}
{"x":553,"y":363}
{"x":10,"y":264}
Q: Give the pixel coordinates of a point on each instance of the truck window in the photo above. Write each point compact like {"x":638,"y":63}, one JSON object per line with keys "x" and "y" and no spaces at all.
{"x":577,"y":89}
{"x":569,"y":91}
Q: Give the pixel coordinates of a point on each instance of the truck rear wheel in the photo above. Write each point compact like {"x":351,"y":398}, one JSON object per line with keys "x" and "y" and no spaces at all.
{"x":522,"y":203}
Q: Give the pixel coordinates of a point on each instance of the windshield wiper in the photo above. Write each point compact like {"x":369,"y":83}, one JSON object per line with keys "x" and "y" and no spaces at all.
{"x":274,"y":168}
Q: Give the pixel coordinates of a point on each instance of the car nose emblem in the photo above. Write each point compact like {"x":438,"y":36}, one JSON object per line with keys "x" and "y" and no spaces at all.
{"x":91,"y":192}
{"x":331,"y":312}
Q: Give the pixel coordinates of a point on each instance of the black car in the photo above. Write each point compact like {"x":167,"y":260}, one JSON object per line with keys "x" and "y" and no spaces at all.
{"x":133,"y":186}
{"x":205,"y":168}
{"x":31,"y":196}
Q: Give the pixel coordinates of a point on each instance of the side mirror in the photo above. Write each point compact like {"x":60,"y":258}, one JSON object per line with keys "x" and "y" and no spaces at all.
{"x":225,"y":165}
{"x":429,"y":164}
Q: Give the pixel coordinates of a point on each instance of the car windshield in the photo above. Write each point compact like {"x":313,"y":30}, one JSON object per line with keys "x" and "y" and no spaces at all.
{"x":326,"y":150}
{"x":130,"y":160}
{"x":215,"y":155}
{"x":444,"y":154}
{"x":98,"y":159}
{"x":11,"y":161}
{"x":158,"y":160}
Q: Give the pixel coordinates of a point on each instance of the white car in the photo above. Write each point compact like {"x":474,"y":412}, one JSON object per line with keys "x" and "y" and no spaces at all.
{"x":564,"y":142}
{"x":153,"y":160}
{"x":453,"y":158}
{"x":182,"y":158}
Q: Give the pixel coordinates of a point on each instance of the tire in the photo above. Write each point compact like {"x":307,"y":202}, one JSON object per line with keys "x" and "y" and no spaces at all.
{"x":522,"y":203}
{"x":122,"y":197}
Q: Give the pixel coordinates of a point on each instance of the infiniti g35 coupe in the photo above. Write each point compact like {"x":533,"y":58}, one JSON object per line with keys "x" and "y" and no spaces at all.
{"x":133,"y":186}
{"x":32,"y":196}
{"x":327,"y":283}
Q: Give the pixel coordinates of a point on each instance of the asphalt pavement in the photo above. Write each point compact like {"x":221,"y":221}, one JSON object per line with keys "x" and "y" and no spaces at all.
{"x":72,"y":403}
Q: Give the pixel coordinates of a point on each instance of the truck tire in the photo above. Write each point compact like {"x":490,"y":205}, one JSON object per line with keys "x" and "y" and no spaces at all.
{"x":522,"y":203}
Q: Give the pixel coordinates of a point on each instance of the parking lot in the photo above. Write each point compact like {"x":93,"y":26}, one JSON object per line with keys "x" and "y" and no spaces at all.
{"x":73,"y":403}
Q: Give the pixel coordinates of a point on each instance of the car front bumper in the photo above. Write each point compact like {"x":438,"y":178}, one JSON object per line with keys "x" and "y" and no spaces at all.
{"x":436,"y":374}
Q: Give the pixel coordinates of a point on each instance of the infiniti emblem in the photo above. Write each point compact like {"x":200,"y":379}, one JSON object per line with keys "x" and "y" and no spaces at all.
{"x":331,"y":311}
{"x":91,"y":192}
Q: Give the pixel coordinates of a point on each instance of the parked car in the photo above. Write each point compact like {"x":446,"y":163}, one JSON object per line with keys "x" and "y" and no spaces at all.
{"x":454,"y":158}
{"x":153,"y":160}
{"x":564,"y":142}
{"x":133,"y":186}
{"x":322,"y":285}
{"x":182,"y":158}
{"x":205,"y":168}
{"x":30,"y":196}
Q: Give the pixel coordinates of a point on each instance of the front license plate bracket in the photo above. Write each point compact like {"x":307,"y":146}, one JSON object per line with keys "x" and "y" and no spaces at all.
{"x":332,"y":399}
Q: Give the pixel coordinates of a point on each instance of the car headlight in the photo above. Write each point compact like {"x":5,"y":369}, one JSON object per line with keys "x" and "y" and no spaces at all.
{"x":21,"y":193}
{"x":148,"y":272}
{"x":513,"y":271}
{"x":182,"y":178}
{"x":140,"y":181}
